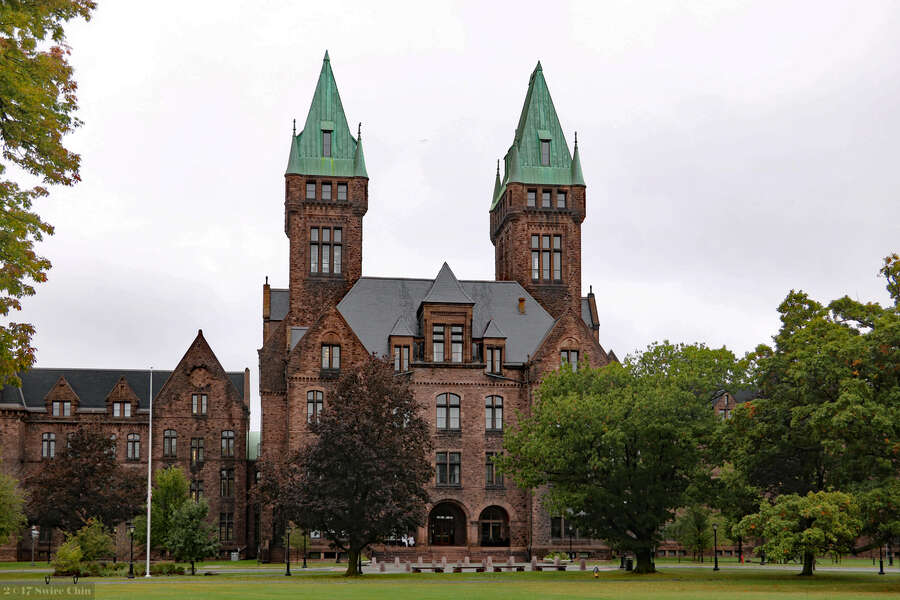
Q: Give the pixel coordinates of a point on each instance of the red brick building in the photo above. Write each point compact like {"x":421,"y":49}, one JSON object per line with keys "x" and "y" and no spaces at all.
{"x":474,"y":351}
{"x":201,"y":420}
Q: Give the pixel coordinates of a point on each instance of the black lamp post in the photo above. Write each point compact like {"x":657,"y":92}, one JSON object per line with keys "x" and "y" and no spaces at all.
{"x":130,"y":527}
{"x":115,"y":533}
{"x":287,"y":555}
{"x":880,"y":560}
{"x":34,"y":536}
{"x":716,"y":546}
{"x":304,"y":549}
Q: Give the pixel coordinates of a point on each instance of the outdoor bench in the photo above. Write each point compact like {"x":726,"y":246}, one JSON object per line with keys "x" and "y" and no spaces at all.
{"x":420,"y":568}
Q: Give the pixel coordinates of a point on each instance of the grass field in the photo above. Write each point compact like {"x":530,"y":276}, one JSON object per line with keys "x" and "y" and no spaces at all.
{"x":669,"y":583}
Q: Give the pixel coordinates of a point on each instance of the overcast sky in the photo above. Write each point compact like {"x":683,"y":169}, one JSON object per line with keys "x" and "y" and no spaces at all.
{"x":732,"y":151}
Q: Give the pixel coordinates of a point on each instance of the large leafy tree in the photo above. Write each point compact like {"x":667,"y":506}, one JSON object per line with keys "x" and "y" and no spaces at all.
{"x":828,"y":416}
{"x":190,"y":537}
{"x":37,"y":106}
{"x":83,"y":481}
{"x":170,"y":491}
{"x":619,"y":447}
{"x":12,"y":515}
{"x":362,"y":477}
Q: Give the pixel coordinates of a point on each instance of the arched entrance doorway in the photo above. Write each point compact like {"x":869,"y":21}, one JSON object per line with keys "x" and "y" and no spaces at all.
{"x":493,"y":527}
{"x":447,"y":525}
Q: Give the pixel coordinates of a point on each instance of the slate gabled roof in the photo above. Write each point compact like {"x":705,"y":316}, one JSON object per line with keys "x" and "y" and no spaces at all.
{"x":492,"y":331}
{"x":446,"y":289}
{"x":374,"y":304}
{"x":93,"y":385}
{"x":402,"y":329}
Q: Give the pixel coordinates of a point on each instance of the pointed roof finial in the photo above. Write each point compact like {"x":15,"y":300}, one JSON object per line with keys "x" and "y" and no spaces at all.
{"x":295,"y":127}
{"x":576,"y":139}
{"x":326,"y":59}
{"x":498,"y":167}
{"x":538,"y":67}
{"x":359,"y":131}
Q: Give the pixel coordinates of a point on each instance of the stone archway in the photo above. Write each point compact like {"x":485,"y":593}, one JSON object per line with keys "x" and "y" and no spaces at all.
{"x":447,"y":525}
{"x":493,"y":527}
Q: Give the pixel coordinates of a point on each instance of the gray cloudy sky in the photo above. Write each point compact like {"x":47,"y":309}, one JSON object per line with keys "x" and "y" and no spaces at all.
{"x":732,"y":150}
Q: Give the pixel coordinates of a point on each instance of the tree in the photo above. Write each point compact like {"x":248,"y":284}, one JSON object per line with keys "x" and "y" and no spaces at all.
{"x":828,"y":416}
{"x":362,"y":477}
{"x":12,"y":502}
{"x":83,"y":481}
{"x":619,"y":446}
{"x":735,"y":499}
{"x":803,"y":527}
{"x":37,"y":104}
{"x":191,"y":538}
{"x":692,"y":528}
{"x":170,"y":491}
{"x":94,"y":540}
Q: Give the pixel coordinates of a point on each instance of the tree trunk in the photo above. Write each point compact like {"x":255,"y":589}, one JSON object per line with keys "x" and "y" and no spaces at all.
{"x":193,"y":572}
{"x":352,"y":563}
{"x":809,"y":560}
{"x":644,"y":561}
{"x":740,"y":549}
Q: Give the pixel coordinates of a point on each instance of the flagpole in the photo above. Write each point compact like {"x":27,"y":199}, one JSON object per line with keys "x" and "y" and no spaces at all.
{"x":149,"y":473}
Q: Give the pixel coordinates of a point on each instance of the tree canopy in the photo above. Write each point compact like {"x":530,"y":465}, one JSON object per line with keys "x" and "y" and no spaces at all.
{"x":37,"y":106}
{"x":190,"y":537}
{"x":170,"y":491}
{"x":82,"y":481}
{"x":619,"y":447}
{"x":361,"y":478}
{"x":12,"y":503}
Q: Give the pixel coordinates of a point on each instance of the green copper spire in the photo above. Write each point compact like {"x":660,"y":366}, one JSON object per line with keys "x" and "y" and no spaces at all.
{"x":539,"y":123}
{"x":497,"y":184}
{"x":326,"y":116}
{"x":359,"y":159}
{"x":577,"y":177}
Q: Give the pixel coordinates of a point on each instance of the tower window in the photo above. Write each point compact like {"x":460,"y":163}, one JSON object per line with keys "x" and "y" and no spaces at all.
{"x":326,"y":191}
{"x":560,"y":199}
{"x":325,"y":250}
{"x":532,"y":198}
{"x":342,"y":192}
{"x":541,"y":255}
{"x":545,"y":153}
{"x":326,"y":143}
{"x":545,"y":198}
{"x":310,"y":190}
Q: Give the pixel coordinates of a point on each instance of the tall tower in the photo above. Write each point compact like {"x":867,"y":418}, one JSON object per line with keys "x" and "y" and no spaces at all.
{"x":538,"y":207}
{"x":326,"y":197}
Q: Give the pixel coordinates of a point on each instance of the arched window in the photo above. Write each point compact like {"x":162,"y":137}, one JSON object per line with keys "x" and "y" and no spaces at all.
{"x":48,"y":445}
{"x":227,"y":444}
{"x":448,"y":412}
{"x":494,"y":525}
{"x":493,"y":413}
{"x":133,"y":447}
{"x":170,"y":439}
{"x":314,"y":405}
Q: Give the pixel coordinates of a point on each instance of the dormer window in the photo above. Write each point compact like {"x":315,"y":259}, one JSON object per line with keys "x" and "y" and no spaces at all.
{"x":326,"y":143}
{"x":438,"y":340}
{"x":493,"y":359}
{"x":545,"y":153}
{"x":121,"y":409}
{"x":62,"y":408}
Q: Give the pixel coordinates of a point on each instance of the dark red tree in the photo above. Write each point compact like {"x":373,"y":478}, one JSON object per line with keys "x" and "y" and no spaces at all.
{"x":362,"y":477}
{"x":82,"y":481}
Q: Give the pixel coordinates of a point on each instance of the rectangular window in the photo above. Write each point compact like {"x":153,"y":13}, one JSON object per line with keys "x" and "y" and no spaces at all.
{"x":133,"y":447}
{"x":199,"y":404}
{"x":326,"y":143}
{"x":311,"y":190}
{"x":437,"y":340}
{"x":62,"y":408}
{"x":557,"y":258}
{"x":532,"y":198}
{"x":448,"y":412}
{"x":542,"y":253}
{"x":226,"y":526}
{"x":314,"y":405}
{"x":196,"y":490}
{"x":226,"y":483}
{"x":48,"y":445}
{"x":228,"y":444}
{"x":170,"y":439}
{"x":342,"y":192}
{"x":560,"y":199}
{"x":492,"y":360}
{"x":326,"y":191}
{"x":448,"y":471}
{"x":331,"y":356}
{"x":117,"y":409}
{"x":545,"y":198}
{"x":569,"y":357}
{"x":545,"y":153}
{"x":325,"y":253}
{"x":456,"y":343}
{"x":196,"y":451}
{"x":556,"y":527}
{"x":493,"y":413}
{"x":126,"y":409}
{"x":401,"y":359}
{"x":492,"y":477}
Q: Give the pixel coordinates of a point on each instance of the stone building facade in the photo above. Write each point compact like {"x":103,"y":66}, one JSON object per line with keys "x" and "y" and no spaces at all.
{"x":201,"y":421}
{"x":473,"y":351}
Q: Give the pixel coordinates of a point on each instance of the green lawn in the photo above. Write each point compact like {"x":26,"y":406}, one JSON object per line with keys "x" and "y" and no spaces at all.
{"x":668,"y":584}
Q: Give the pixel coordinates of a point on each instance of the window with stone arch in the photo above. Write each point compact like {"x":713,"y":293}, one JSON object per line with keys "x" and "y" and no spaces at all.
{"x":448,"y":412}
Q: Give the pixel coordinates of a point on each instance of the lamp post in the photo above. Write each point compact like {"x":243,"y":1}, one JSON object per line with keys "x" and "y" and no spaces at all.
{"x":304,"y":549}
{"x":287,"y":555}
{"x":34,"y":536}
{"x":880,"y":560}
{"x":130,"y":527}
{"x":716,"y":546}
{"x":115,"y":533}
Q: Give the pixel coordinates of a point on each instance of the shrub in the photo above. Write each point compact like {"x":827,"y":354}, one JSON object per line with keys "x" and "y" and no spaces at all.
{"x":163,"y":568}
{"x":95,"y":541}
{"x":68,"y":559}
